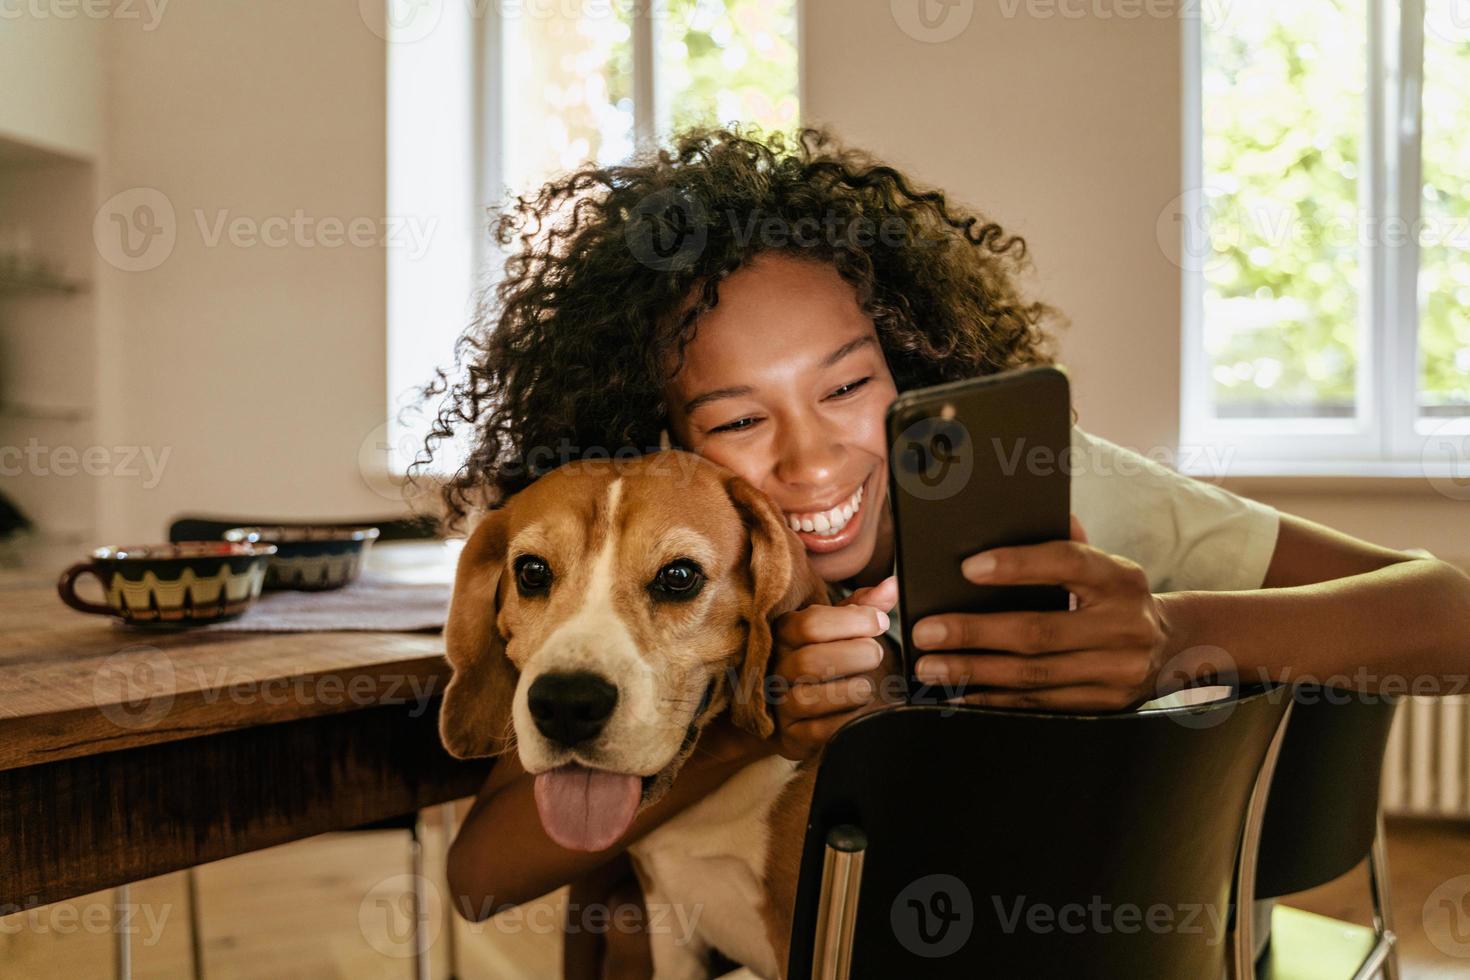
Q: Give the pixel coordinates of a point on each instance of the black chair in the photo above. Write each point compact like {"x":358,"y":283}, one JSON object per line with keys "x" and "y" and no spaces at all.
{"x":958,"y":842}
{"x":1322,"y":820}
{"x":195,"y":528}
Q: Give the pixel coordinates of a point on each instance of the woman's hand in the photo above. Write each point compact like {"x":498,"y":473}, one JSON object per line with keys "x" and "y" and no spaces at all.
{"x":1104,"y":655}
{"x":832,"y":662}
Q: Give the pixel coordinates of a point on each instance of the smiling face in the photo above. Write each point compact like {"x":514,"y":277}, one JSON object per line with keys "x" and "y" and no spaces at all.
{"x":785,"y":384}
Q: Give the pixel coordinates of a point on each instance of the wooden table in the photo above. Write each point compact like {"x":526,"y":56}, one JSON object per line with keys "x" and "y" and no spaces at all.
{"x":127,"y":753}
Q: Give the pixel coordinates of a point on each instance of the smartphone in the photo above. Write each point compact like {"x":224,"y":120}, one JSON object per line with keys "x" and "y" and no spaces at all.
{"x":975,"y":464}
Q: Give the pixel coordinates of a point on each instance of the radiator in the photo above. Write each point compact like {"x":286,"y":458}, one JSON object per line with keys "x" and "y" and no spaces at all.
{"x":1426,"y":770}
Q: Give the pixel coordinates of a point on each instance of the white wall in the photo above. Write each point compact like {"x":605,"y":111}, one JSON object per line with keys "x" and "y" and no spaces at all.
{"x":260,"y":370}
{"x":49,"y":72}
{"x":1067,"y":130}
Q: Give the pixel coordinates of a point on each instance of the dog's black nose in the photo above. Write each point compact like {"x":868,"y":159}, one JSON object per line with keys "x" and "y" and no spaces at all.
{"x":571,"y":708}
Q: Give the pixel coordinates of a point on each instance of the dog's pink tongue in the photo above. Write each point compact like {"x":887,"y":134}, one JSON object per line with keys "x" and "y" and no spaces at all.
{"x":586,"y":809}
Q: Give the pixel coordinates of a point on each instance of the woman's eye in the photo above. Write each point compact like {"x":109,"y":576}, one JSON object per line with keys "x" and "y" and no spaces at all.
{"x":736,"y":426}
{"x":850,"y":387}
{"x":679,"y":579}
{"x":533,"y":575}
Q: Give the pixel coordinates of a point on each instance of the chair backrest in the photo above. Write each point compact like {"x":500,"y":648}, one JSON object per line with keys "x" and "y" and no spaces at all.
{"x":1012,"y":843}
{"x":1322,"y":812}
{"x":213,"y":528}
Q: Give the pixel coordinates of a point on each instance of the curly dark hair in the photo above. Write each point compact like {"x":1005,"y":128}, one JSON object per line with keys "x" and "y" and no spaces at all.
{"x":614,"y":265}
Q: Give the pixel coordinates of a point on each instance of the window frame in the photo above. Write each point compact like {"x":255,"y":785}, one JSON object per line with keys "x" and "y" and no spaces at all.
{"x":1387,"y":436}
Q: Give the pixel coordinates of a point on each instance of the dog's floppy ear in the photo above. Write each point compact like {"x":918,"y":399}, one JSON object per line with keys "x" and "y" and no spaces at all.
{"x":781,"y":579}
{"x":475,"y":718}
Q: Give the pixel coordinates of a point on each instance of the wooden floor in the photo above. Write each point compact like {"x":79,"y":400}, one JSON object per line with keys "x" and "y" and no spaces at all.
{"x":336,"y":907}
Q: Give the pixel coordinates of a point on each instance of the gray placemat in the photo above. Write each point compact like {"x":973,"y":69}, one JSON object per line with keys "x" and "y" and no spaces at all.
{"x":370,"y":603}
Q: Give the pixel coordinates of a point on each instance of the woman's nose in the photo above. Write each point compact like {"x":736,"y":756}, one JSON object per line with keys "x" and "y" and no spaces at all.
{"x":811,"y":454}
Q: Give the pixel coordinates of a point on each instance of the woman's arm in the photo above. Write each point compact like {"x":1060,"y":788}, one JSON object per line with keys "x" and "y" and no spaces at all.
{"x":501,"y":856}
{"x":1333,"y":610}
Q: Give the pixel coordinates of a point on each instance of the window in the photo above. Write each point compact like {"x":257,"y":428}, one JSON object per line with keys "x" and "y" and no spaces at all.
{"x":486,"y":99}
{"x":1325,"y":235}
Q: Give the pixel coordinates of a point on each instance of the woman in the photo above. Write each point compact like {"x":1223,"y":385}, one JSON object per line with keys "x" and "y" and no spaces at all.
{"x":760,"y":302}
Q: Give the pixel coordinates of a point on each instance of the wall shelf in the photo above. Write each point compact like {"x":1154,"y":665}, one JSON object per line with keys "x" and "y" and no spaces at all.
{"x":49,"y":413}
{"x":39,"y":285}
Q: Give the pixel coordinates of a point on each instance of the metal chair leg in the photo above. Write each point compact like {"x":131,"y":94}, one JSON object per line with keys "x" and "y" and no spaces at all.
{"x":451,"y":951}
{"x":196,"y":932}
{"x":1385,"y":956}
{"x":1243,"y":939}
{"x":122,"y":940}
{"x":416,"y":905}
{"x":842,"y":878}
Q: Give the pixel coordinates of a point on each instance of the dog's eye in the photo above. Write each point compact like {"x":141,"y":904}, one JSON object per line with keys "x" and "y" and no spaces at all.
{"x":679,"y":579}
{"x":533,"y":576}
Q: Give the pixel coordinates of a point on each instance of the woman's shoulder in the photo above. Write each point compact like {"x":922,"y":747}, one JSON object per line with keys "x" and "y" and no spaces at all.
{"x":1185,"y":532}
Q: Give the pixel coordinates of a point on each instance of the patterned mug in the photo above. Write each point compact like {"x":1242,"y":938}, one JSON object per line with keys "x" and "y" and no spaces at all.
{"x":180,"y":584}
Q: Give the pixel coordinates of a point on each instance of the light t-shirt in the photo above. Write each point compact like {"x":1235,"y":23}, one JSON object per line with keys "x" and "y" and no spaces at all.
{"x":1186,"y":535}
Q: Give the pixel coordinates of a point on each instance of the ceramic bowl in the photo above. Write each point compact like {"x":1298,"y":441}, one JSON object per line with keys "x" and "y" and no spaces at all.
{"x":180,"y":584}
{"x":310,"y":557}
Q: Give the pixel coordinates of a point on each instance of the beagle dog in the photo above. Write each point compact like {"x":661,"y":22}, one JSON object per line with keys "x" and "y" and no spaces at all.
{"x":600,"y":620}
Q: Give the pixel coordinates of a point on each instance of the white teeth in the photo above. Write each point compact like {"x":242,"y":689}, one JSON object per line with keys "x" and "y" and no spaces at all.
{"x":829,"y":522}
